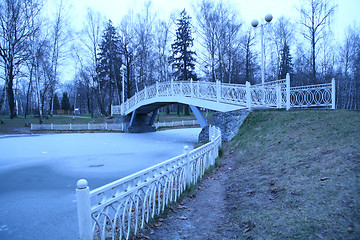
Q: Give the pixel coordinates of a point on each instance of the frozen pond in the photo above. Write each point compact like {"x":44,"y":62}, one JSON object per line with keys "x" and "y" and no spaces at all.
{"x":38,"y":174}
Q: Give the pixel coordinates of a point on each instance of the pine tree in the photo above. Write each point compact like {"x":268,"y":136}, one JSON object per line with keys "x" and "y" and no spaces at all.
{"x":56,"y":105}
{"x":182,"y":59}
{"x":286,"y":65}
{"x":65,"y":103}
{"x":108,"y":69}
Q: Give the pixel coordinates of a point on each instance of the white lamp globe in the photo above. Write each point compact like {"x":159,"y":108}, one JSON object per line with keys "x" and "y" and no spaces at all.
{"x":268,"y":17}
{"x":254,"y":23}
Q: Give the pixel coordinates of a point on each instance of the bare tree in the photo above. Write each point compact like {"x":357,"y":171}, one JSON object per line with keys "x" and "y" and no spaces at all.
{"x":129,"y":46}
{"x":247,"y":44}
{"x":219,"y":30}
{"x":315,"y":16}
{"x":281,"y":34}
{"x":348,"y":84}
{"x":59,"y":40}
{"x":145,"y":51}
{"x":91,"y":36}
{"x":15,"y":33}
{"x":162,"y":44}
{"x":207,"y":27}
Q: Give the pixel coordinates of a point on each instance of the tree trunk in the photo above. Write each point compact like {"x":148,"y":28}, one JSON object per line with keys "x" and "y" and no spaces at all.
{"x":11,"y":98}
{"x":187,"y":110}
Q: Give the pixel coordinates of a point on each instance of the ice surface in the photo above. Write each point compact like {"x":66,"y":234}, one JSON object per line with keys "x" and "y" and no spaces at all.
{"x":38,"y":174}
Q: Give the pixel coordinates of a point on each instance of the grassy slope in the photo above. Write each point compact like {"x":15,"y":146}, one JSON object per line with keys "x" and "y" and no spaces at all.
{"x":297,"y":175}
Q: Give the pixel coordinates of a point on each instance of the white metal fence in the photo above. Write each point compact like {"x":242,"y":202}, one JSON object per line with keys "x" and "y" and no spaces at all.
{"x":120,"y":209}
{"x":80,"y":127}
{"x":276,"y":94}
{"x":105,"y":126}
{"x":176,"y":123}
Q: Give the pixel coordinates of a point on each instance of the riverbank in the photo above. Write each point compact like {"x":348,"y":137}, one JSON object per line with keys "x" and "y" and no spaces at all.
{"x":286,"y":175}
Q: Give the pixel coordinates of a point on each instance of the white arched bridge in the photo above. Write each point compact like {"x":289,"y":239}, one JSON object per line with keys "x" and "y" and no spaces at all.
{"x":225,"y":97}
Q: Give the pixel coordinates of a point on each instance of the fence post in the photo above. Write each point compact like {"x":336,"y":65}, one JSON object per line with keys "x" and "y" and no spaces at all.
{"x":172,"y":87}
{"x":287,"y":92}
{"x":106,"y":126}
{"x":215,"y":150}
{"x":198,"y":88}
{"x":278,"y":96}
{"x":191,"y":88}
{"x":218,"y":90}
{"x":145,"y":92}
{"x":70,"y":126}
{"x":333,"y":96}
{"x":83,"y":209}
{"x":188,"y":167}
{"x":248,"y":95}
{"x":52,"y":126}
{"x":157,"y":88}
{"x":88,"y":126}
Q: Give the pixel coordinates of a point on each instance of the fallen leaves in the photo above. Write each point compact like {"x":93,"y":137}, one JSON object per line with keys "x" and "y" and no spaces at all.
{"x":158,"y":224}
{"x":183,"y":207}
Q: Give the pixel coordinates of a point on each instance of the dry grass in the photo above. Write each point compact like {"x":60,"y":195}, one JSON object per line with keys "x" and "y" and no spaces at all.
{"x":297,"y":175}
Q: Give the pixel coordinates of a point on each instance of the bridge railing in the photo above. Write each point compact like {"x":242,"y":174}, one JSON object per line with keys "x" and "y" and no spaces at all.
{"x":120,"y":209}
{"x":276,"y":94}
{"x":313,"y":96}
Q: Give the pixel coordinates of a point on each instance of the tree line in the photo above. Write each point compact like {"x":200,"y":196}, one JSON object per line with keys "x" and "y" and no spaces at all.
{"x":213,"y":45}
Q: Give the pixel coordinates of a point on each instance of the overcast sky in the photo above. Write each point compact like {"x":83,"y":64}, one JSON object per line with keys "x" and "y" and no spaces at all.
{"x":347,"y":12}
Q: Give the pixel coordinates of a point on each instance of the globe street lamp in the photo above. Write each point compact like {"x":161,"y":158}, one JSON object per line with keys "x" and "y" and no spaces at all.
{"x":255,"y":23}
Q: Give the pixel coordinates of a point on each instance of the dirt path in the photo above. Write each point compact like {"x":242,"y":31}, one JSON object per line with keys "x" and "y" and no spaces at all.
{"x":199,"y":216}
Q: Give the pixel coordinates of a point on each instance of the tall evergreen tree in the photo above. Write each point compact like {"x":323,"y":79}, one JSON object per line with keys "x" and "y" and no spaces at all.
{"x":55,"y":102}
{"x":65,"y":103}
{"x":182,"y":59}
{"x":286,"y":65}
{"x":109,"y":64}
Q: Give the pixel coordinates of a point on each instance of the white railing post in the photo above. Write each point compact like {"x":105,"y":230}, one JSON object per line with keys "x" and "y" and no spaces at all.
{"x":70,"y":126}
{"x":191,"y":88}
{"x":198,"y":88}
{"x":215,"y":150}
{"x":52,"y":126}
{"x":218,"y":90}
{"x":333,"y":96}
{"x":157,"y":88}
{"x":88,"y":126}
{"x":187,"y":166}
{"x":106,"y":126}
{"x":278,"y":95}
{"x":83,"y":209}
{"x":287,"y":92}
{"x":248,"y":95}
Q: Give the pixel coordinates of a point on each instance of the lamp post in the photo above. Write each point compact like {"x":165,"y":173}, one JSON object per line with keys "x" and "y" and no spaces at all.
{"x":255,"y":23}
